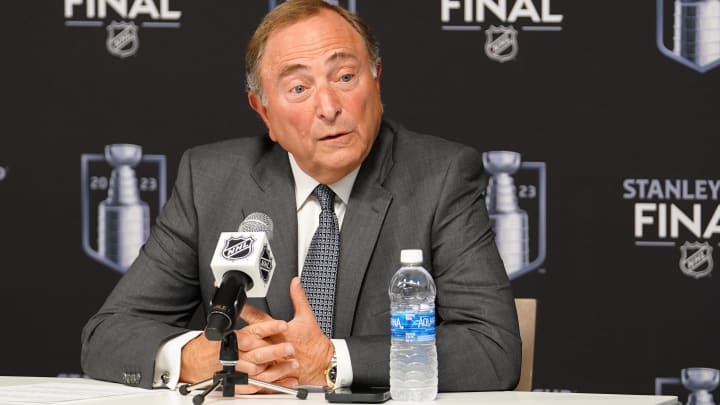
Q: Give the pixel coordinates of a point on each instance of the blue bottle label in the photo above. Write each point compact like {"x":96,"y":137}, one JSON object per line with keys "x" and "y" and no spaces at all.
{"x":413,"y":326}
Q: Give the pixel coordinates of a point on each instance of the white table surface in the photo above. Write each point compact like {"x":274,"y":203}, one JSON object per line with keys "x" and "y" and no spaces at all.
{"x":147,"y":397}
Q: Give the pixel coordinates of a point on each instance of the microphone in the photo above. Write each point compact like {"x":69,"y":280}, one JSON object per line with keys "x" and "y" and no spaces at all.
{"x":243,"y":265}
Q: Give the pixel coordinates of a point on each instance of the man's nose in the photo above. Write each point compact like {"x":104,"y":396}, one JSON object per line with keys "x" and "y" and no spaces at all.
{"x":328,"y":103}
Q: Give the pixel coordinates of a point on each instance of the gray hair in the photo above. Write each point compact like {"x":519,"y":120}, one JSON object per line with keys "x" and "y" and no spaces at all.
{"x":287,"y":14}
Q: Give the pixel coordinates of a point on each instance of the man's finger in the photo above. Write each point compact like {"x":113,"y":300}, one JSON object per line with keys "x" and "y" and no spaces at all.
{"x":250,"y":368}
{"x":250,"y":314}
{"x":265,"y":329}
{"x":253,"y":336}
{"x":267,"y":354}
{"x":285,"y":373}
{"x":299,"y":300}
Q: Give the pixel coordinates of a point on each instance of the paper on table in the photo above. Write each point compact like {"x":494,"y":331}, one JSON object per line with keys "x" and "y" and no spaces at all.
{"x":54,"y":393}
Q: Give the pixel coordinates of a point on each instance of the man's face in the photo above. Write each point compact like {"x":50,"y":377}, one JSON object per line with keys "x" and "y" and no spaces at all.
{"x":322,"y":102}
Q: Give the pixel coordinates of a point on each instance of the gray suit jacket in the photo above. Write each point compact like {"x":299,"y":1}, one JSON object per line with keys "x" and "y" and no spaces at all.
{"x":413,"y":191}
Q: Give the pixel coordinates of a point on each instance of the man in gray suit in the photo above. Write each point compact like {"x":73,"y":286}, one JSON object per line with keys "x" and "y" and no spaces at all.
{"x":313,"y":75}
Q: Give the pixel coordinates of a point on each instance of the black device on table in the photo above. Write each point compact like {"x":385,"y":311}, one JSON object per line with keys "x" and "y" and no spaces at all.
{"x":358,"y":395}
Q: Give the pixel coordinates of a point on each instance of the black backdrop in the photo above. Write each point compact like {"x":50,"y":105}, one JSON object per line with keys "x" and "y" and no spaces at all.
{"x":591,"y":99}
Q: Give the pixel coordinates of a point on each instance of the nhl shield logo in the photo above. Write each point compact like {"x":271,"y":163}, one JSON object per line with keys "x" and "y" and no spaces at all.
{"x":501,"y":43}
{"x":122,"y":38}
{"x":696,"y":259}
{"x":122,"y":192}
{"x":238,"y":248}
{"x":694,"y":33}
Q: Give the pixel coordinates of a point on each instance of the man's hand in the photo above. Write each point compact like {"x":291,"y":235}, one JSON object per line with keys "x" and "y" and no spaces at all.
{"x":312,"y":348}
{"x":257,"y":357}
{"x":281,"y":368}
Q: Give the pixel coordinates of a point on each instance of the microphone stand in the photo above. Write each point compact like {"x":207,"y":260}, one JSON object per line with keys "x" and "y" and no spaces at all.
{"x":228,"y":377}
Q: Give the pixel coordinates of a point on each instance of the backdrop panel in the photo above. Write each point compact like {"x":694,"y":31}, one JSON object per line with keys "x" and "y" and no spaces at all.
{"x":611,"y":120}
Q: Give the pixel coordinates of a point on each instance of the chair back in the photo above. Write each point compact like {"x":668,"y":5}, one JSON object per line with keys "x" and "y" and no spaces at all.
{"x":526,"y":310}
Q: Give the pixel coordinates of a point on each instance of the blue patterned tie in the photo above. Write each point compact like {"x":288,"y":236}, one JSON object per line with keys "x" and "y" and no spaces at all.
{"x":321,"y":263}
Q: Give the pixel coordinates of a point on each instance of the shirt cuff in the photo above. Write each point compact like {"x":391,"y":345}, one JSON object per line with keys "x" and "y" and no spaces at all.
{"x":167,"y":360}
{"x":344,"y":376}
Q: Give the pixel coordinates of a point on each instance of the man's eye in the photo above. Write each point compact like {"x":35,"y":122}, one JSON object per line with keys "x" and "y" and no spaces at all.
{"x":346,"y":77}
{"x":298,"y":89}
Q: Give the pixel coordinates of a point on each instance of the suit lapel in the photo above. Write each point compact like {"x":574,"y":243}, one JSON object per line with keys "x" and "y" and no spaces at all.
{"x":364,"y":217}
{"x":275,"y":198}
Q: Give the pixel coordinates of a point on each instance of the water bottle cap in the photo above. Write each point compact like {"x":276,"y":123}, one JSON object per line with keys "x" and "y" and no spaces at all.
{"x":411,"y":256}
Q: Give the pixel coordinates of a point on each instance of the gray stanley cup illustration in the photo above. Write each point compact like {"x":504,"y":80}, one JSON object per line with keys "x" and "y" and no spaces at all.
{"x":123,"y":219}
{"x":510,"y":222}
{"x":700,"y":381}
{"x":696,"y":32}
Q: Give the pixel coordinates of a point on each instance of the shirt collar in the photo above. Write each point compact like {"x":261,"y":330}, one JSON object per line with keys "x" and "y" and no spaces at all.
{"x":305,"y":184}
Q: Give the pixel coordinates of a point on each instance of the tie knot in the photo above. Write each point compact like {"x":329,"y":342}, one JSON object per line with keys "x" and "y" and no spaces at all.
{"x":325,"y":196}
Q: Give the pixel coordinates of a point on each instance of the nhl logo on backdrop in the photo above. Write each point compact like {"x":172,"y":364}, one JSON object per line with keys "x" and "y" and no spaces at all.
{"x":668,"y":211}
{"x":237,"y":248}
{"x":696,"y":259}
{"x":501,"y":43}
{"x":127,"y":16}
{"x":505,"y":19}
{"x":122,"y":38}
{"x":693,"y":28}
{"x":122,"y":190}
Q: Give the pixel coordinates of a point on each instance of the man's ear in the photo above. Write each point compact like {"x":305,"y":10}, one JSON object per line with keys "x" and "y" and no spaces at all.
{"x":256,"y":104}
{"x":378,"y":73}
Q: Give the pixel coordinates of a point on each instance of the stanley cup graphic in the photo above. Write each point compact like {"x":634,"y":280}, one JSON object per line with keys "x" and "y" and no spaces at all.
{"x":695,"y":33}
{"x":700,"y":381}
{"x":123,"y":219}
{"x":697,"y":30}
{"x":510,"y":222}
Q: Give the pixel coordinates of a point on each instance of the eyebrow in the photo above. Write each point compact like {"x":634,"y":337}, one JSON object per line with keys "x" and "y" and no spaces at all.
{"x":291,"y":69}
{"x":339,"y":56}
{"x":297,"y":67}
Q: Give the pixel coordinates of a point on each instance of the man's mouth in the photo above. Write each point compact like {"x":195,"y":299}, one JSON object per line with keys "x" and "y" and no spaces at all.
{"x":333,"y":136}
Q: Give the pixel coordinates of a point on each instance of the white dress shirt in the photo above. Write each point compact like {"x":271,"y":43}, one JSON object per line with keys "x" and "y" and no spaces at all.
{"x":167,"y":359}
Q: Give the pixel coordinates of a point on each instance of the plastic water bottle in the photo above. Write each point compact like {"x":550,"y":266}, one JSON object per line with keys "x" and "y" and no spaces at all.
{"x":413,"y":355}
